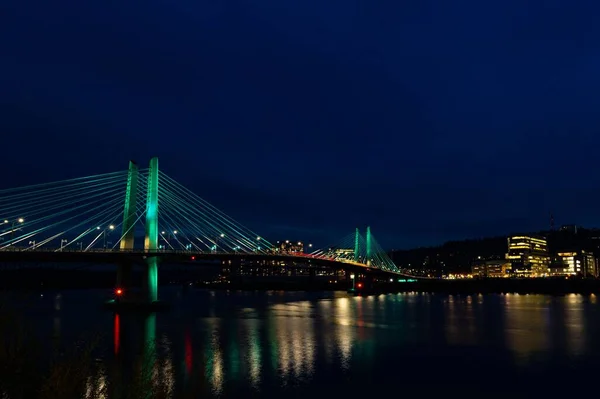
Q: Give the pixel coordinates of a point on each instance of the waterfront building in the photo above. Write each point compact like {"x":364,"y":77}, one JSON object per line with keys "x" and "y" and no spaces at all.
{"x":574,"y":263}
{"x":289,"y":247}
{"x":491,"y":268}
{"x":528,"y":256}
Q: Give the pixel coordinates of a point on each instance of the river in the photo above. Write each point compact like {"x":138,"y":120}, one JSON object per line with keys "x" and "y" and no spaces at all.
{"x":269,"y":344}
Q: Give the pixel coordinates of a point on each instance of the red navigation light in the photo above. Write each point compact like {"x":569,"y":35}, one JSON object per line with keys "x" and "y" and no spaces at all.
{"x":119,"y":291}
{"x":193,"y":258}
{"x":359,"y":285}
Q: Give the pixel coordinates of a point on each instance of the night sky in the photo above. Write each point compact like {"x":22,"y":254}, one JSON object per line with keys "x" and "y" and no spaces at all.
{"x":429,"y":120}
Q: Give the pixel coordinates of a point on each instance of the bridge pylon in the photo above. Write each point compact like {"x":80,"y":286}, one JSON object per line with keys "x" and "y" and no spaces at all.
{"x":128,"y":235}
{"x":151,"y":239}
{"x":369,"y":241}
{"x":124,"y":268}
{"x":356,"y":245}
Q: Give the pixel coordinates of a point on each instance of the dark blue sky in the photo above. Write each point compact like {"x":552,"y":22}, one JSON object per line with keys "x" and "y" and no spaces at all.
{"x":430,"y":120}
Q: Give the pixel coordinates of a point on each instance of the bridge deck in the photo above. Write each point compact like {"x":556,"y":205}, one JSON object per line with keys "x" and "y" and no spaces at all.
{"x":139,"y":256}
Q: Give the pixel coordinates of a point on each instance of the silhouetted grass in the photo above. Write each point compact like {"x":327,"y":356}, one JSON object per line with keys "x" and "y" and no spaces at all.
{"x":28,"y":371}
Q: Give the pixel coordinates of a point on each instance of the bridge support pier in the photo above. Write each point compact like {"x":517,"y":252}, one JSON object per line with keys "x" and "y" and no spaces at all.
{"x":312,"y":275}
{"x":124,"y":274}
{"x":235,"y":272}
{"x":151,"y":279}
{"x":347,"y":279}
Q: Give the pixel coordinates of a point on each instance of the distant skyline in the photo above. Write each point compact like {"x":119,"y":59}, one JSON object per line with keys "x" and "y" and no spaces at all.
{"x":429,"y":121}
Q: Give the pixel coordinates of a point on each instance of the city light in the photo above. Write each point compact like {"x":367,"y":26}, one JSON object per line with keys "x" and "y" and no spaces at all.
{"x":111,"y":227}
{"x":20,"y":220}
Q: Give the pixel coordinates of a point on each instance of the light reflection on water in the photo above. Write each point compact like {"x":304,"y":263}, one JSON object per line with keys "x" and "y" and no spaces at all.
{"x":302,"y":342}
{"x":575,"y":324}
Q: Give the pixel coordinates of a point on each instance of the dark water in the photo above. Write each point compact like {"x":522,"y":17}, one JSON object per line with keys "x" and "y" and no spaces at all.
{"x":240,"y":344}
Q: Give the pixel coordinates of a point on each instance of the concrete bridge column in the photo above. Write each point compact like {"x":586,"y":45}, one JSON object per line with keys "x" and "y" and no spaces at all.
{"x":347,"y":279}
{"x":235,"y":272}
{"x":312,"y":275}
{"x":124,"y":275}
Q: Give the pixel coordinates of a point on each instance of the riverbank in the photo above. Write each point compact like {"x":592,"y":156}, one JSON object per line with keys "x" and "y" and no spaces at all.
{"x":46,"y":278}
{"x":548,"y":286}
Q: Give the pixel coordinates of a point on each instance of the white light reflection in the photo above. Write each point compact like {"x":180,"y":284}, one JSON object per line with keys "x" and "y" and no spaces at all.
{"x":95,"y":386}
{"x":214,"y":358}
{"x":527,"y":325}
{"x":460,"y":320}
{"x":254,"y":355}
{"x":344,"y":333}
{"x":167,"y":379}
{"x":295,"y":340}
{"x":574,"y":324}
{"x":325,"y":308}
{"x":57,"y":301}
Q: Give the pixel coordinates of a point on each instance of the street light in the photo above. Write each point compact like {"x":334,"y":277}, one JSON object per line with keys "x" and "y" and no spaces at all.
{"x":217,"y":243}
{"x":63,"y":241}
{"x":110,"y":228}
{"x":32,"y":243}
{"x":14,"y":223}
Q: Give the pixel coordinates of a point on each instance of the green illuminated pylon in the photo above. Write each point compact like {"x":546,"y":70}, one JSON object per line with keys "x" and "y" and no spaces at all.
{"x":356,"y":245}
{"x":151,"y":240}
{"x":369,"y":240}
{"x":128,"y":236}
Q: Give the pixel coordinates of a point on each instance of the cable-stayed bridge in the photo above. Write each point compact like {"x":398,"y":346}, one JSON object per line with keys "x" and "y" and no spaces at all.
{"x":144,"y":216}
